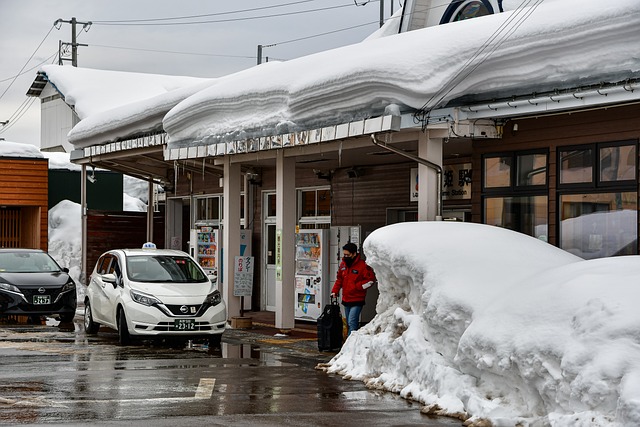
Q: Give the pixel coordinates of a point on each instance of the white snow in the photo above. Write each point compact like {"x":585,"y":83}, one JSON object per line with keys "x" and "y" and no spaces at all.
{"x":116,"y":104}
{"x":593,"y":42}
{"x":482,"y":322}
{"x":65,"y":239}
{"x":16,"y":149}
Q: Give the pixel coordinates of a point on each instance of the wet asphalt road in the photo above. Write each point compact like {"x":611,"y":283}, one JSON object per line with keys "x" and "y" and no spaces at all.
{"x":58,"y":375}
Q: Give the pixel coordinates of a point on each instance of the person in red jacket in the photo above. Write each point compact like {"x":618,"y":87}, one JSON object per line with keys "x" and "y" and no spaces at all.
{"x":354,"y":278}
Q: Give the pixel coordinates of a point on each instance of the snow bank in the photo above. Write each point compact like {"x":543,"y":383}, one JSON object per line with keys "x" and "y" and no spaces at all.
{"x":65,"y":239}
{"x":481,"y":322}
{"x":593,"y":42}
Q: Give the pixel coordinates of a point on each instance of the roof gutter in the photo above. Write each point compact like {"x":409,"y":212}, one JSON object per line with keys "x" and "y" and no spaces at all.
{"x":425,"y":162}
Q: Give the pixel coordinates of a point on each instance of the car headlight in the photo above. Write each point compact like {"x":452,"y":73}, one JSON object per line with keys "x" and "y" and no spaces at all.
{"x":144,"y":299}
{"x":213,"y":298}
{"x":10,"y":288}
{"x":69,"y":286}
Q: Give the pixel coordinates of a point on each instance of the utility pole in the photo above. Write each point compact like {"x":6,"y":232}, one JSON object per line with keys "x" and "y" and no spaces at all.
{"x":259,"y":54}
{"x":382,"y":12}
{"x":74,"y":37}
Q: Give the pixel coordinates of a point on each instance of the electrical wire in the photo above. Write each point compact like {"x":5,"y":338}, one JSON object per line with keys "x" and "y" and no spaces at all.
{"x":504,"y":31}
{"x":32,"y":68}
{"x":25,"y":64}
{"x":321,"y":34}
{"x":172,"y":51}
{"x":204,"y":15}
{"x":217,"y":21}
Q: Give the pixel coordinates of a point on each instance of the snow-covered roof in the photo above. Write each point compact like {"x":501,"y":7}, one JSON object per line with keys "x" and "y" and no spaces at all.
{"x":559,"y":44}
{"x":17,"y":149}
{"x":117,"y":104}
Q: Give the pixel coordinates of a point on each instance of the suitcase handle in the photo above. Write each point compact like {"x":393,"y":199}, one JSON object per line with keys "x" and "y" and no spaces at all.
{"x":334,"y":300}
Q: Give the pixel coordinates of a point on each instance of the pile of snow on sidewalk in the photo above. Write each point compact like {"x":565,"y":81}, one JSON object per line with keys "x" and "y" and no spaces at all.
{"x":481,"y":322}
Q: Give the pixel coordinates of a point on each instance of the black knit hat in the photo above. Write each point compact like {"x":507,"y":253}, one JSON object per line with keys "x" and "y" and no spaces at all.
{"x":350,"y":247}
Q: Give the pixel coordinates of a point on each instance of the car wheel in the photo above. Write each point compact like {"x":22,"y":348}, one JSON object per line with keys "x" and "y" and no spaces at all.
{"x":67,"y":317}
{"x":90,"y":326}
{"x":215,"y":340}
{"x":123,"y":331}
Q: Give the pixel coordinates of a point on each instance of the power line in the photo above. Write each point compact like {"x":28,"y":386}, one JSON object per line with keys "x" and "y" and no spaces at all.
{"x":205,"y":15}
{"x":321,"y":34}
{"x":172,"y":51}
{"x":30,"y":69}
{"x":469,"y":66}
{"x":25,"y":64}
{"x":250,"y":18}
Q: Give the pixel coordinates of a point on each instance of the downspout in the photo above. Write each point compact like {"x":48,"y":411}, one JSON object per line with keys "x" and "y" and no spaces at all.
{"x":422,"y":161}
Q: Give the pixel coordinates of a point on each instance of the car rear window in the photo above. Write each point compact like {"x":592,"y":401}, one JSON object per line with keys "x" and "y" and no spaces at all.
{"x":27,"y":262}
{"x":164,"y":268}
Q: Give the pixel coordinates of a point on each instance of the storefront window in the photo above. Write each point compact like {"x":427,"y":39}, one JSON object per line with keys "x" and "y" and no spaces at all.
{"x":208,"y":208}
{"x":617,"y":163}
{"x":526,"y":214}
{"x":532,"y":169}
{"x":599,"y":225}
{"x":315,"y":202}
{"x":515,"y":194}
{"x":497,"y":172}
{"x":271,"y":205}
{"x":598,"y":203}
{"x":576,"y":166}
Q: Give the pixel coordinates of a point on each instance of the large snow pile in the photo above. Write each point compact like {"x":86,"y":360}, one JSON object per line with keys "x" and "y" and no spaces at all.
{"x":481,"y":322}
{"x":508,"y":53}
{"x":65,"y":238}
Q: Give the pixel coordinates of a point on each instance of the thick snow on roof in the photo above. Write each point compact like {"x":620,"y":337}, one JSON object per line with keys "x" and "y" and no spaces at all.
{"x":559,"y":44}
{"x":17,"y":149}
{"x":503,"y":327}
{"x":116,"y":104}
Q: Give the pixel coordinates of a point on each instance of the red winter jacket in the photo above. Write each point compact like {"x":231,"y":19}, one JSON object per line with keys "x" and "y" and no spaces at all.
{"x":351,"y":279}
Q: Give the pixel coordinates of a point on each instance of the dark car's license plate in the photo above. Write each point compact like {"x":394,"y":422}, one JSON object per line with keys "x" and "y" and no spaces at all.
{"x":184,"y":325}
{"x":41,"y":299}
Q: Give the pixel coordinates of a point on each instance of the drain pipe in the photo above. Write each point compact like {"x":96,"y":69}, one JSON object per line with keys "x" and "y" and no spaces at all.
{"x":425,"y":162}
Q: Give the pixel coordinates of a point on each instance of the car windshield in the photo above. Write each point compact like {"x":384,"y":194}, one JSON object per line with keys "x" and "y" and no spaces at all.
{"x":27,"y":262}
{"x":164,"y":268}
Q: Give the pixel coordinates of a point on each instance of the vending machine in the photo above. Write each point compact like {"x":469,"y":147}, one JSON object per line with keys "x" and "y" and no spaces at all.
{"x":312,"y":290}
{"x":205,"y":248}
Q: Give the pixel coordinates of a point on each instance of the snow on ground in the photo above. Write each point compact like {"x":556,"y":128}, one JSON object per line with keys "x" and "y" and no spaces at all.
{"x":482,"y":322}
{"x":594,"y":42}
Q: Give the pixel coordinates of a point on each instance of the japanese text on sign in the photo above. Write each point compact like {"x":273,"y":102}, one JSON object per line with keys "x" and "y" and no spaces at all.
{"x":243,"y":276}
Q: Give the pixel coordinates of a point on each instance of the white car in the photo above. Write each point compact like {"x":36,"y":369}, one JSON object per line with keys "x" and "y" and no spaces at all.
{"x":153,"y":293}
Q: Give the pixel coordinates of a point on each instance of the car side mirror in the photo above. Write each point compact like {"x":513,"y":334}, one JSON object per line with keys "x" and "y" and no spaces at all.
{"x":110,"y":278}
{"x":65,"y":270}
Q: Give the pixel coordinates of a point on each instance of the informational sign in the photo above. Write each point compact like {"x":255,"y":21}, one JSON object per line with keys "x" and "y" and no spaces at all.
{"x":243,"y":276}
{"x":456,"y":182}
{"x":279,"y":255}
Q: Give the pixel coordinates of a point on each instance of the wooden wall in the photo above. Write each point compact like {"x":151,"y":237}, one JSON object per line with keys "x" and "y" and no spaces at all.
{"x":119,"y":230}
{"x":24,"y":185}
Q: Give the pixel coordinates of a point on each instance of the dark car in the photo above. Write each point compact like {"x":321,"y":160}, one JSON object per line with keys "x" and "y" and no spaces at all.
{"x":33,"y":284}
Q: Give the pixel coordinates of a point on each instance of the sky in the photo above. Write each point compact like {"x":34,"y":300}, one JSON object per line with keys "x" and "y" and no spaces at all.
{"x":208,"y":49}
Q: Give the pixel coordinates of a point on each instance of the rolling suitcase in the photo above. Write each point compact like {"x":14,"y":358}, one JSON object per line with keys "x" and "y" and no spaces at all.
{"x":330,"y":327}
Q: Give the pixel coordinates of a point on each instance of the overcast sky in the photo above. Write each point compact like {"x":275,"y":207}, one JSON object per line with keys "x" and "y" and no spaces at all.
{"x":225,"y":43}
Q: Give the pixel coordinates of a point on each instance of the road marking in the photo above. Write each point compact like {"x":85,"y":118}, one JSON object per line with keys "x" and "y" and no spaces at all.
{"x":205,"y":388}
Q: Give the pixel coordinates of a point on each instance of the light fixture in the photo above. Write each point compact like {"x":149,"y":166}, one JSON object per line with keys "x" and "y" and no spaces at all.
{"x":354,"y":172}
{"x":92,"y":178}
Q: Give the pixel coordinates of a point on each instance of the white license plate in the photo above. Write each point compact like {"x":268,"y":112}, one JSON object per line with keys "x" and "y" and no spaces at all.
{"x":184,"y":325}
{"x":41,"y":299}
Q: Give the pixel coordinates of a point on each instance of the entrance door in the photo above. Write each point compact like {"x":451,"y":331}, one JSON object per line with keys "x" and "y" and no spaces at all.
{"x":270,"y":267}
